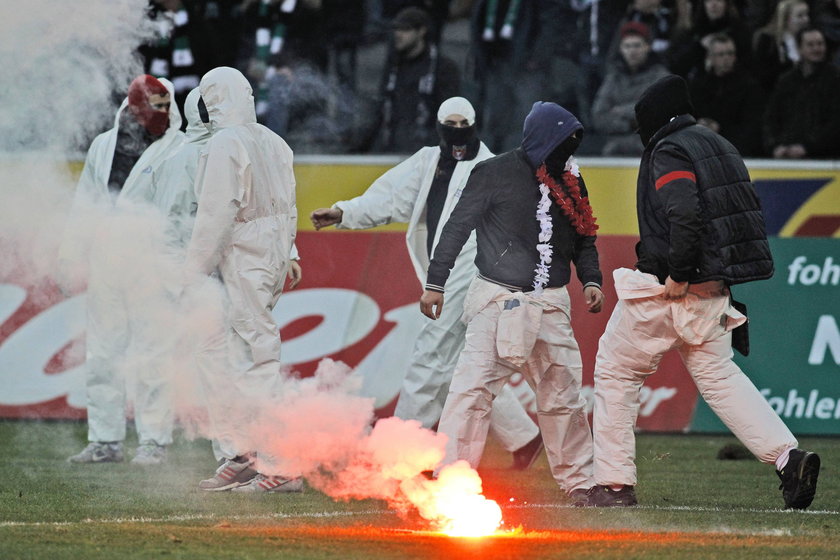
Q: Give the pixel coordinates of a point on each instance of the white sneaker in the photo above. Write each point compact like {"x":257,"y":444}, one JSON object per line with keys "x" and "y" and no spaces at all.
{"x":230,"y":474}
{"x":274,"y":484}
{"x":99,"y":452}
{"x":149,"y":454}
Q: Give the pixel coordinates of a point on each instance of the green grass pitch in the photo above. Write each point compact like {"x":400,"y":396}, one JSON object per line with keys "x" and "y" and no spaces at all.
{"x":692,"y":505}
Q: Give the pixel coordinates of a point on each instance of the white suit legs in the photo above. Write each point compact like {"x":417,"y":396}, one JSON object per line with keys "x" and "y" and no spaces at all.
{"x":553,"y":369}
{"x":427,"y":380}
{"x":735,"y":400}
{"x":126,"y":348}
{"x":639,"y":332}
{"x":253,"y":284}
{"x":107,"y":338}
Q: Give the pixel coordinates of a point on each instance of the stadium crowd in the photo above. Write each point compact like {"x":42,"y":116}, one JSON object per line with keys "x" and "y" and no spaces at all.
{"x":763,"y":73}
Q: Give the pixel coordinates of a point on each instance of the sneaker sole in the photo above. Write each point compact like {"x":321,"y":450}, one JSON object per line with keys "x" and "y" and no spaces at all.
{"x":807,"y":474}
{"x":230,"y":486}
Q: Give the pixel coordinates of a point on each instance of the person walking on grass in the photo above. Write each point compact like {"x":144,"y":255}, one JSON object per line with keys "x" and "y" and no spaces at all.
{"x":702,"y":231}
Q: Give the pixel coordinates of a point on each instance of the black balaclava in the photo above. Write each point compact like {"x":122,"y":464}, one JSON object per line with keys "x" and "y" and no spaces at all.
{"x":555,"y":162}
{"x":458,"y":143}
{"x":665,"y":99}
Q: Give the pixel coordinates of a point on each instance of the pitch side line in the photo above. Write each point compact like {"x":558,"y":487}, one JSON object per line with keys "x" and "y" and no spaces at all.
{"x":198,"y":517}
{"x":681,"y":508}
{"x":336,"y":514}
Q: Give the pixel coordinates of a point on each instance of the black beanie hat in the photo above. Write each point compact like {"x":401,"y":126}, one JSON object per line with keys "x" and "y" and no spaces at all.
{"x":664,"y":99}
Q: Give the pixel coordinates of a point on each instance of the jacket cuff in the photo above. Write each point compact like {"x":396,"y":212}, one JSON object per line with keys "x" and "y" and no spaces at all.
{"x":434,"y":288}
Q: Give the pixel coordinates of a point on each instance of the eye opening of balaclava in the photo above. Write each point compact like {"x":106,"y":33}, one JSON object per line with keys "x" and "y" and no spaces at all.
{"x":555,"y":162}
{"x":141,"y":90}
{"x":456,"y":141}
{"x":202,"y":111}
{"x":665,"y":99}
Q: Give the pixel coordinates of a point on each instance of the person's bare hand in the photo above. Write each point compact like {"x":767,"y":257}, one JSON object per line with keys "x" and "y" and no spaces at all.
{"x":431,"y":304}
{"x":675,"y":290}
{"x":323,"y":217}
{"x":797,"y":151}
{"x":780,"y":152}
{"x":295,"y":274}
{"x":594,"y":298}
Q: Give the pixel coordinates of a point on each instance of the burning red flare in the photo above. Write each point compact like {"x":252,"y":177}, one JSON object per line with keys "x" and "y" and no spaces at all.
{"x":454,"y":504}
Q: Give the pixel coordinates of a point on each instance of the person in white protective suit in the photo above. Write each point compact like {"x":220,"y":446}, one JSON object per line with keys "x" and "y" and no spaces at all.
{"x":118,"y":238}
{"x":244,"y":230}
{"x":422,"y":191}
{"x":173,"y":182}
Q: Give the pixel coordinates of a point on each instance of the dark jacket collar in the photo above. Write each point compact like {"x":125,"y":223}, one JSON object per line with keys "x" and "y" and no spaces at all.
{"x":677,"y":123}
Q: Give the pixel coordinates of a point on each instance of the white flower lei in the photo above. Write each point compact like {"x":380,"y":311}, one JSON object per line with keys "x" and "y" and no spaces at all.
{"x":546,"y":229}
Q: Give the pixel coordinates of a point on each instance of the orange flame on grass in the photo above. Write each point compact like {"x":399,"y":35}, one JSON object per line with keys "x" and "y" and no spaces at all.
{"x":453,"y":502}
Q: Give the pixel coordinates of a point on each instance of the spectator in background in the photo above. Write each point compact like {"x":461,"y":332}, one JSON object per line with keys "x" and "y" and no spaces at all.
{"x":688,"y":53}
{"x":416,"y":80}
{"x":554,"y":62}
{"x":803,"y":115}
{"x":828,"y":21}
{"x":774,"y":45}
{"x":597,"y":21}
{"x":658,"y":18}
{"x":628,"y":77}
{"x":727,"y":99}
{"x":179,"y":51}
{"x":502,"y":32}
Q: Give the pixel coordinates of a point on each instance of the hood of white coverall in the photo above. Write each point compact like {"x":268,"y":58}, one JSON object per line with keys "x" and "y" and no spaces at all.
{"x":196,"y":130}
{"x":229,"y":98}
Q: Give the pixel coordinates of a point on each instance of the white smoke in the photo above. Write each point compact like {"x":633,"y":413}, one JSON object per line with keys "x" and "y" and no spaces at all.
{"x":63,"y":62}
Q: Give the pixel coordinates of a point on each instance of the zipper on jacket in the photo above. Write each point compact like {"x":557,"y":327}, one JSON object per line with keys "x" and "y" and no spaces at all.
{"x":503,"y":253}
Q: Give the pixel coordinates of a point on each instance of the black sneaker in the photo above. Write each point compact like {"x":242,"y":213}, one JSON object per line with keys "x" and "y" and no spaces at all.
{"x":604,"y":496}
{"x":525,"y":456}
{"x":799,"y":479}
{"x":580,"y":497}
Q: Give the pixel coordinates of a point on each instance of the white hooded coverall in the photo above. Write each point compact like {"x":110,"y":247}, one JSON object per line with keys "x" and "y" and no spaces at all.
{"x":399,"y":195}
{"x":124,"y":341}
{"x":173,"y":182}
{"x":244,"y":228}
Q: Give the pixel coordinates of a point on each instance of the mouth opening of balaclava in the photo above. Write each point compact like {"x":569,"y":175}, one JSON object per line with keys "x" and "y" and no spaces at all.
{"x":458,"y":143}
{"x":139,"y":92}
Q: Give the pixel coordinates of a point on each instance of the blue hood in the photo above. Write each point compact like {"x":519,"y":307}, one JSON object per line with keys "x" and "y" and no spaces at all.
{"x":546,"y":127}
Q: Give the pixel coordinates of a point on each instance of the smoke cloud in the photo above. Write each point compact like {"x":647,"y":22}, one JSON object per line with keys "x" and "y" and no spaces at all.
{"x":63,"y":62}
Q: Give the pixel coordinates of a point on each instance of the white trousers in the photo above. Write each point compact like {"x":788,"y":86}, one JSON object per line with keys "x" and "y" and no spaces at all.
{"x":638,"y":333}
{"x":127,"y":345}
{"x":426,"y":383}
{"x":249,"y":352}
{"x":552,"y":368}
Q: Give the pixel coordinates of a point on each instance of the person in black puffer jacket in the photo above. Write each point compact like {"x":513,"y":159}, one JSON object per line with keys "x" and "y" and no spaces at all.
{"x":702,"y":230}
{"x":531,"y":213}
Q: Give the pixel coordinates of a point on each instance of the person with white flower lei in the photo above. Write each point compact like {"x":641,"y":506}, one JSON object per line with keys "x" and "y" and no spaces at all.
{"x":532,"y":219}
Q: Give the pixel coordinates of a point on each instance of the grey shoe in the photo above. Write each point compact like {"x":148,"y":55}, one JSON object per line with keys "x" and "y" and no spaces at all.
{"x":99,"y":452}
{"x":149,"y":454}
{"x":275,"y":484}
{"x":230,"y":474}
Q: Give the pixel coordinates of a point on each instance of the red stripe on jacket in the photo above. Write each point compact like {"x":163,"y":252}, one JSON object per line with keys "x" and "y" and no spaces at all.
{"x":673,"y":176}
